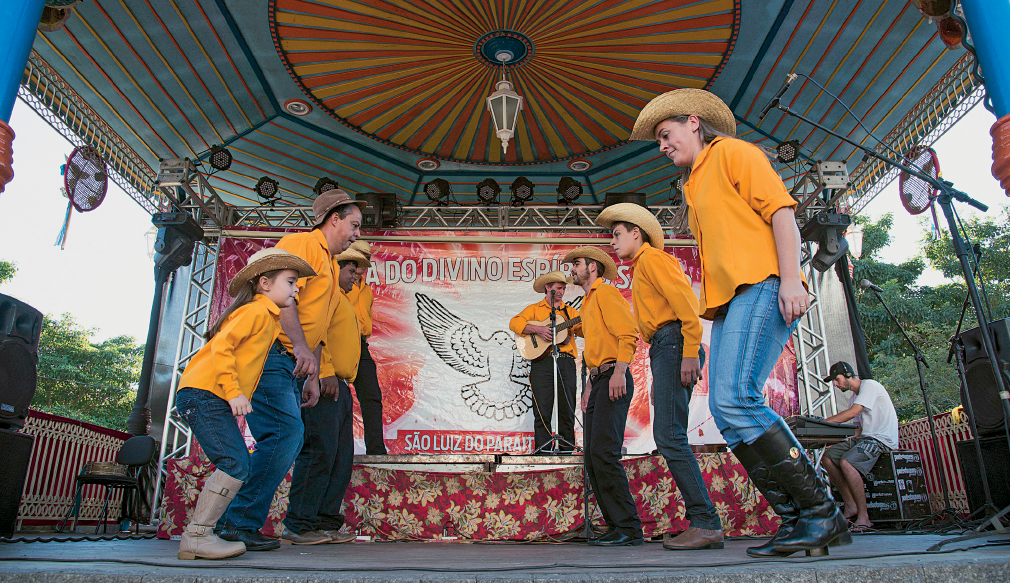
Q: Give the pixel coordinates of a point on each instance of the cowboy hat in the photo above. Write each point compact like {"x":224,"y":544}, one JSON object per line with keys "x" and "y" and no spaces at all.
{"x":678,"y":102}
{"x":590,"y":252}
{"x":329,"y":200}
{"x":638,"y":215}
{"x":265,"y":260}
{"x":362,"y":247}
{"x":540,"y":283}
{"x":354,"y":255}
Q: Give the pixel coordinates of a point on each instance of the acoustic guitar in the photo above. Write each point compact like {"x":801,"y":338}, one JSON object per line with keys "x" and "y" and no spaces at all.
{"x":532,"y":347}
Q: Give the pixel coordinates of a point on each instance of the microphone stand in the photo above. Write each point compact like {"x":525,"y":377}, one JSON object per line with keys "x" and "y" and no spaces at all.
{"x":947,"y":194}
{"x":920,"y":361}
{"x":552,"y":445}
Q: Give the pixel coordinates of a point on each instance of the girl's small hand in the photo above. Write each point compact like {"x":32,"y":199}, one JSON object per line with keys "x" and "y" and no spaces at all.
{"x":240,"y":406}
{"x":793,"y":299}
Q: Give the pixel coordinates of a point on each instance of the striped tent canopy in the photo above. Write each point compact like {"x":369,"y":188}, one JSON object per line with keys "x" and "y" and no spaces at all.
{"x":387,"y":95}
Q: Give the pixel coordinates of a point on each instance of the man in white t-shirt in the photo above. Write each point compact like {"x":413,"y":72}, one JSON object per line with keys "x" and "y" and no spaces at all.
{"x":847,"y":463}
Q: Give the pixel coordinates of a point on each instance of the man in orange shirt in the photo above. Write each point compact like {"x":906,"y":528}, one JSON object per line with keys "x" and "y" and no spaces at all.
{"x":366,"y":387}
{"x":552,"y":285}
{"x":667,"y":312}
{"x":290,"y":380}
{"x":611,"y":338}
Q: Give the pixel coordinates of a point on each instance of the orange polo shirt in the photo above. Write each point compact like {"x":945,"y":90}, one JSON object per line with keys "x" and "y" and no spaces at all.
{"x":661,"y":293}
{"x":608,"y":326}
{"x":230,"y":363}
{"x":541,"y":312}
{"x":733,"y":192}
{"x":342,"y":351}
{"x":316,"y":295}
{"x":361,"y":297}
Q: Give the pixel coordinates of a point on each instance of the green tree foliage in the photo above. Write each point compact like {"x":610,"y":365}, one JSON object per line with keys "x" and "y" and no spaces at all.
{"x":86,"y":380}
{"x":7,"y":271}
{"x":929,"y":314}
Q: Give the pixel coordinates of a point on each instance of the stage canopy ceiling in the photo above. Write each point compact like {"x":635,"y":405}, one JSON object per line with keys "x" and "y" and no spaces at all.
{"x":386,"y":95}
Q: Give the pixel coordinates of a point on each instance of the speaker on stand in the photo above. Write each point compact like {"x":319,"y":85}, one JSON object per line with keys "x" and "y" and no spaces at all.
{"x":20,"y":329}
{"x":981,"y":386}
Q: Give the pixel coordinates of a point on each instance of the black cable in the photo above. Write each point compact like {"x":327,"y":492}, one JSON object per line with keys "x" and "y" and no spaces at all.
{"x":973,"y":259}
{"x":76,"y":539}
{"x":608,"y":565}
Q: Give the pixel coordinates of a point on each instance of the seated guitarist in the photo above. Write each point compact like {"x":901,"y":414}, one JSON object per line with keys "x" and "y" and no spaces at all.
{"x":542,"y":369}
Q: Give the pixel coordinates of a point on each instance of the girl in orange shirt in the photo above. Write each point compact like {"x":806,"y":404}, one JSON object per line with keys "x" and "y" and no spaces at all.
{"x":743,"y":219}
{"x":220,"y":379}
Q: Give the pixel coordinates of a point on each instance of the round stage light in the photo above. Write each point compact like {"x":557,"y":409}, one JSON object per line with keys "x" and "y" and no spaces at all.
{"x":569,"y":190}
{"x":297,"y":107}
{"x":323,"y":184}
{"x":787,"y":152}
{"x":267,"y":188}
{"x":522,"y":191}
{"x":488,"y":191}
{"x":220,"y":158}
{"x":438,"y":191}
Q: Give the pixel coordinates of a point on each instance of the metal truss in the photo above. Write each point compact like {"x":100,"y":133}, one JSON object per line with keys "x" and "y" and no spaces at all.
{"x":176,"y":436}
{"x":55,"y":101}
{"x":819,"y":189}
{"x":946,"y":103}
{"x":188,"y":189}
{"x":556,"y":218}
{"x":810,"y":340}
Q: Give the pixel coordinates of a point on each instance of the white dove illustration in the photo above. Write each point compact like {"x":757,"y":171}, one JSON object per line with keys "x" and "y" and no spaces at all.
{"x":504,"y":391}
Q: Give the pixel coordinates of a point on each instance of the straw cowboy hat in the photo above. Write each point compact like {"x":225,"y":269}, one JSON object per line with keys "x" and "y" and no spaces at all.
{"x":629,"y":212}
{"x":697,"y":102}
{"x":329,"y":200}
{"x":266,"y":260}
{"x":590,"y":252}
{"x":352,"y":254}
{"x":540,"y":283}
{"x":362,"y":247}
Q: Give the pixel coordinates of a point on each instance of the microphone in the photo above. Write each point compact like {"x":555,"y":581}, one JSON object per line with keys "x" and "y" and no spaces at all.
{"x":867,"y":284}
{"x":778,"y":96}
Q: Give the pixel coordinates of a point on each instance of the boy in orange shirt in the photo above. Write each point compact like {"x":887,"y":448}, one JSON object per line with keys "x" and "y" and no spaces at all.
{"x":220,"y":379}
{"x":667,"y":312}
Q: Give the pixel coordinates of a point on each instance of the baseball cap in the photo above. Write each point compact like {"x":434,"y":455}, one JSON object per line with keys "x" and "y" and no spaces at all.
{"x":839,"y":368}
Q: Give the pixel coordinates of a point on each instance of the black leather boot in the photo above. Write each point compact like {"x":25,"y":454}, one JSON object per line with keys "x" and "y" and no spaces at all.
{"x":777,"y":498}
{"x":820,"y":523}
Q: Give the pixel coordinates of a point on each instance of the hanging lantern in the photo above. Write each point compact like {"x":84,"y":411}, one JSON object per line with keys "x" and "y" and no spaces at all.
{"x":504,"y":105}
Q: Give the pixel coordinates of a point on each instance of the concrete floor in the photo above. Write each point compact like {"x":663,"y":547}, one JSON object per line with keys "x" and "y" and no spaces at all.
{"x":871,"y":558}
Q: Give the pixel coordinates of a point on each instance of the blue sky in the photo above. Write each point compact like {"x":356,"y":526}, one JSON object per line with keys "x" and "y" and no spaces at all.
{"x":105,"y":278}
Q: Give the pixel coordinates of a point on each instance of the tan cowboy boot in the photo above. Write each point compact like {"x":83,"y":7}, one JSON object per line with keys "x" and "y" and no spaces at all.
{"x":694,"y":539}
{"x":199,"y":540}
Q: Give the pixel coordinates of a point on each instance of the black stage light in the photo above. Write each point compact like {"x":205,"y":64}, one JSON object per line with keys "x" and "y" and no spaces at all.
{"x":488,"y":191}
{"x":569,"y":190}
{"x":826,"y":230}
{"x":522,"y":191}
{"x":220,"y":158}
{"x":267,"y":188}
{"x":787,"y":152}
{"x":438,"y":190}
{"x":323,"y":184}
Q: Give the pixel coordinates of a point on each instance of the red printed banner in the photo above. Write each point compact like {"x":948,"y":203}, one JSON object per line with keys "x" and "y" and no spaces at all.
{"x":447,"y":361}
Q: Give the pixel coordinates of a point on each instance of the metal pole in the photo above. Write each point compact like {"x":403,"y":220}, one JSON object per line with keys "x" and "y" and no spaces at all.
{"x":19,"y":19}
{"x":988,"y":21}
{"x":140,"y":417}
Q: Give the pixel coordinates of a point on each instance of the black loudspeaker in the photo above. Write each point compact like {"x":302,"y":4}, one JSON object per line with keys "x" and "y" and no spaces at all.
{"x":17,"y":454}
{"x":612,"y":198}
{"x":380,"y":209}
{"x":996,"y":456}
{"x":20,"y":328}
{"x":981,"y":389}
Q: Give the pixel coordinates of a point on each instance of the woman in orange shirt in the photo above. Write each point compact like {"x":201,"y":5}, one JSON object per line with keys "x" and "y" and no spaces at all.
{"x":219,"y":381}
{"x":743,"y":219}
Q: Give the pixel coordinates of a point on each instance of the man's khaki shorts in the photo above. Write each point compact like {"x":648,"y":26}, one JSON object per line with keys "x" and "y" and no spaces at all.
{"x":861,"y":452}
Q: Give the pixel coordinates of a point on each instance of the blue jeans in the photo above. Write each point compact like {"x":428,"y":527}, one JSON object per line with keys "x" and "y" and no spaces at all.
{"x":323,"y":468}
{"x":215,"y":428}
{"x":669,"y":428}
{"x":748,"y":336}
{"x":276,"y":424}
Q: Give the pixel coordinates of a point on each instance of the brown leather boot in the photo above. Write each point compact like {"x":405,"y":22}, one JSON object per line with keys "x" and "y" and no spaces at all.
{"x":199,"y":540}
{"x":695,"y":539}
{"x":337,"y":537}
